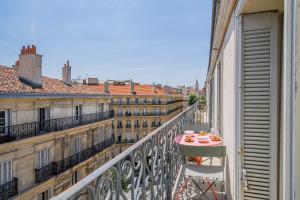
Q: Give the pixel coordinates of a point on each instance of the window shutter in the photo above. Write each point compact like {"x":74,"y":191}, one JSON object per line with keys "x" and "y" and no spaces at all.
{"x":259,"y":104}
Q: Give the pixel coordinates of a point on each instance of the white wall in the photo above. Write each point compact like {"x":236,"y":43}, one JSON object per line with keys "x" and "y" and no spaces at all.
{"x":60,"y":112}
{"x":228,"y":105}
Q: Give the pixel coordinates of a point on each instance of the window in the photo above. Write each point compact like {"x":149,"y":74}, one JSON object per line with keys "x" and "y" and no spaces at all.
{"x":3,"y":120}
{"x":100,"y":107}
{"x":76,"y":145}
{"x":120,"y":111}
{"x":128,"y":100}
{"x":78,"y":111}
{"x":75,"y":177}
{"x":46,"y":195}
{"x":44,"y":158}
{"x":136,"y":110}
{"x":5,"y":172}
{"x":120,"y":100}
{"x":145,"y":110}
{"x":136,"y":100}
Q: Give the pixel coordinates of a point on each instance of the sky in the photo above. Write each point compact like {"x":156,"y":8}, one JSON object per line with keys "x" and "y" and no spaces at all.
{"x":149,"y":41}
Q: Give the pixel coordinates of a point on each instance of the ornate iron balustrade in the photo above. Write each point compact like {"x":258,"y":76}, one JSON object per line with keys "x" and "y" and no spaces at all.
{"x":146,"y":170}
{"x":9,"y":189}
{"x":55,"y":168}
{"x":21,"y":131}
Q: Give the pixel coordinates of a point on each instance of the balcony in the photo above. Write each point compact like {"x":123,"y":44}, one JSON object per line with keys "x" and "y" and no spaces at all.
{"x":147,"y":103}
{"x":175,"y":109}
{"x":145,"y":125}
{"x":119,"y":114}
{"x":9,"y":189}
{"x":128,"y":114}
{"x":154,"y":125}
{"x":148,"y":169}
{"x":22,"y":131}
{"x":120,"y":126}
{"x":56,"y":168}
{"x":128,"y":126}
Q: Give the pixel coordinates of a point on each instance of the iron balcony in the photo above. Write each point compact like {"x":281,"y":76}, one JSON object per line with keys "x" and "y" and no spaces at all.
{"x":55,"y":168}
{"x":26,"y":130}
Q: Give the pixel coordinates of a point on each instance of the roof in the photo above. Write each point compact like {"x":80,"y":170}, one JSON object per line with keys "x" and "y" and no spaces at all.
{"x":139,"y":89}
{"x":12,"y":85}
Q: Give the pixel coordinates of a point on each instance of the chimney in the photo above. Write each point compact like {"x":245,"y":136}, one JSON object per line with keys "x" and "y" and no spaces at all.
{"x":30,"y":66}
{"x":106,"y":87}
{"x":66,"y":73}
{"x":132,"y":87}
{"x":154,"y":88}
{"x":16,"y":65}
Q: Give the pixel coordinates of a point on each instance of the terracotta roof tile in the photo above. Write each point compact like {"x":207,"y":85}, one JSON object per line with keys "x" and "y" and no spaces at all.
{"x":139,"y":89}
{"x":10,"y":83}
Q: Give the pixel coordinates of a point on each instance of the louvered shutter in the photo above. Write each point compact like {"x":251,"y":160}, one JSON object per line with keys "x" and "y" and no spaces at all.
{"x":260,"y":54}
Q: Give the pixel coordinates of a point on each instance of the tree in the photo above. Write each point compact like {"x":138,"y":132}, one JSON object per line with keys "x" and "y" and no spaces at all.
{"x":192,"y":99}
{"x":202,"y":102}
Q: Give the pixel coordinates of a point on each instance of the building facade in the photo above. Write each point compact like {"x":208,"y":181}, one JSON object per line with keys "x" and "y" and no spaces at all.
{"x":139,"y":109}
{"x":52,"y":133}
{"x":252,"y":96}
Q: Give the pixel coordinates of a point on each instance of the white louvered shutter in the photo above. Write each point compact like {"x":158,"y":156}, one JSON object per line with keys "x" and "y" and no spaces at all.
{"x":260,"y":54}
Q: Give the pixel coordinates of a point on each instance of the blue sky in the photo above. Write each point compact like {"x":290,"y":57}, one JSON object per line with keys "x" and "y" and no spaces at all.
{"x":161,"y":41}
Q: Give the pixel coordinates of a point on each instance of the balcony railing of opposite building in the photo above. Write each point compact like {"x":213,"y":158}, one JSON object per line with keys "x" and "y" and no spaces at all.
{"x":9,"y":189}
{"x":127,"y":113}
{"x":145,"y":125}
{"x":147,"y":103}
{"x":128,"y":126}
{"x":55,"y":168}
{"x":119,"y":114}
{"x":149,"y":167}
{"x":175,"y":109}
{"x":154,"y":125}
{"x":21,"y":131}
{"x":120,"y":126}
{"x":125,"y":141}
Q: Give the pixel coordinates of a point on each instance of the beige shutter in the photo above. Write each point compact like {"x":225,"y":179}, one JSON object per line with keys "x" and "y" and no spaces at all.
{"x":260,"y":54}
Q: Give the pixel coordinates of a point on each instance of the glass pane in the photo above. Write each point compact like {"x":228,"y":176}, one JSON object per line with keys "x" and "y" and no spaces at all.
{"x":2,"y":122}
{"x":2,"y":114}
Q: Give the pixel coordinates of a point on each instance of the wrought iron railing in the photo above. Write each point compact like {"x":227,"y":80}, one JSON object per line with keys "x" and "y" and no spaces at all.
{"x":128,"y":126}
{"x":21,"y":131}
{"x":9,"y":189}
{"x":55,"y":168}
{"x":175,"y":109}
{"x":146,"y":170}
{"x":127,"y":113}
{"x":147,"y":102}
{"x":155,"y":125}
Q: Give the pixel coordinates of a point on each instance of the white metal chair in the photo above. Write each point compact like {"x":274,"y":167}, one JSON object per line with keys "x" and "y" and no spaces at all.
{"x":207,"y":173}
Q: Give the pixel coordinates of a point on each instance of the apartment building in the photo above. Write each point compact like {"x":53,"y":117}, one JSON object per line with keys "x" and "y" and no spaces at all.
{"x":252,"y":95}
{"x":52,"y":133}
{"x":140,"y":108}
